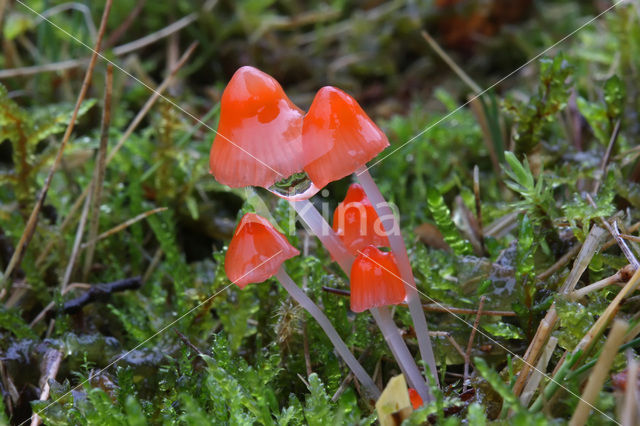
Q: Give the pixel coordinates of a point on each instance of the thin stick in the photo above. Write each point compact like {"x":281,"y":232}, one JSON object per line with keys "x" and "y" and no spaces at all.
{"x":536,"y":376}
{"x":123,"y":226}
{"x":587,"y":251}
{"x":467,"y":354}
{"x":124,"y":26}
{"x":445,"y":57}
{"x":616,"y":235}
{"x":622,"y":275}
{"x":125,"y":136}
{"x":451,"y":340}
{"x":392,"y":228}
{"x":76,"y":244}
{"x":98,"y":179}
{"x":30,"y":227}
{"x":301,"y":297}
{"x":599,"y":373}
{"x":573,"y":251}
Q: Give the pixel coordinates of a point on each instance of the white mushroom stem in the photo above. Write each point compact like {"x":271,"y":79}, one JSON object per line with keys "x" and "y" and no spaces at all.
{"x":321,"y":229}
{"x":392,"y":228}
{"x":303,"y":300}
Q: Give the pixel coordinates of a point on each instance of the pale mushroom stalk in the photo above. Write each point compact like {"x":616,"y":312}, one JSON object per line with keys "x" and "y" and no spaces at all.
{"x":392,"y":228}
{"x":303,"y":300}
{"x":321,"y":229}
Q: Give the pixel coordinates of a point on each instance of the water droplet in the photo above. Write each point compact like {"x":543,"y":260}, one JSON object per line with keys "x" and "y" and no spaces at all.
{"x":296,"y":187}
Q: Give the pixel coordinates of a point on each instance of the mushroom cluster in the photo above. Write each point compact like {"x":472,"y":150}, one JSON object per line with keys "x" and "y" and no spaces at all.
{"x":264,"y":140}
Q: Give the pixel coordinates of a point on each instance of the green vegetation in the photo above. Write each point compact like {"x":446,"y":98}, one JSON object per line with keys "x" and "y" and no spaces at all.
{"x":555,"y":146}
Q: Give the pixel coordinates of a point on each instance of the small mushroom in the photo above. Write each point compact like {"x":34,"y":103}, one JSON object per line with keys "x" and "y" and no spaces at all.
{"x":256,"y":253}
{"x":259,"y":135}
{"x":375,"y":280}
{"x":338,"y":137}
{"x":356,"y":222}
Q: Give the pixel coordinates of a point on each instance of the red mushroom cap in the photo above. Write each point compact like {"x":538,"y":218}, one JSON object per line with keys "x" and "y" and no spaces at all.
{"x":375,"y":280}
{"x":256,"y":251}
{"x":416,"y":399}
{"x":259,"y":136}
{"x":356,"y":222}
{"x":338,"y":137}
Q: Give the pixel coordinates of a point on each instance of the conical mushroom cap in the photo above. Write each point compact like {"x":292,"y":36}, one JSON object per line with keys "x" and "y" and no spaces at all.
{"x":356,"y":222}
{"x":338,"y":137}
{"x":375,"y":280}
{"x":259,"y":136}
{"x":256,"y":251}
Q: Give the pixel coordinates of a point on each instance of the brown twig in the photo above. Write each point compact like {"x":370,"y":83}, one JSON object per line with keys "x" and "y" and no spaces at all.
{"x":125,"y":136}
{"x":122,"y":226}
{"x":187,"y":342}
{"x":30,"y":227}
{"x":98,"y":179}
{"x":467,"y":354}
{"x":76,"y":244}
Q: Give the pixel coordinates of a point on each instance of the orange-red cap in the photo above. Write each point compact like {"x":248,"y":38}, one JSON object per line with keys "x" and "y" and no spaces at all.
{"x":416,"y":399}
{"x":338,"y":137}
{"x":356,"y":222}
{"x":259,"y":135}
{"x":375,"y":280}
{"x":256,"y":251}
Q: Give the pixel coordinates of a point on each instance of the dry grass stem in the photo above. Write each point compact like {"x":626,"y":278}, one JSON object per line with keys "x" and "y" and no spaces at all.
{"x":122,"y":226}
{"x":76,"y":244}
{"x":536,"y":377}
{"x":621,"y":276}
{"x":98,"y":178}
{"x":630,"y":407}
{"x":30,"y":227}
{"x":125,"y":136}
{"x":599,"y":373}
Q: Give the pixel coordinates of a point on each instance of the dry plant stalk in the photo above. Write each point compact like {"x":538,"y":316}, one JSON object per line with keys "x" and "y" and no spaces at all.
{"x":536,"y":376}
{"x":622,"y":275}
{"x":32,"y":222}
{"x":599,"y":373}
{"x":98,"y":178}
{"x":125,"y":136}
{"x":545,"y":328}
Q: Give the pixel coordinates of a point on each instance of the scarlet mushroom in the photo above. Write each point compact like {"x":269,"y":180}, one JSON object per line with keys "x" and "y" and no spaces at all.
{"x":258,"y":141}
{"x":256,"y":253}
{"x":338,"y":138}
{"x":376,"y":284}
{"x":357,"y":223}
{"x":375,"y":280}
